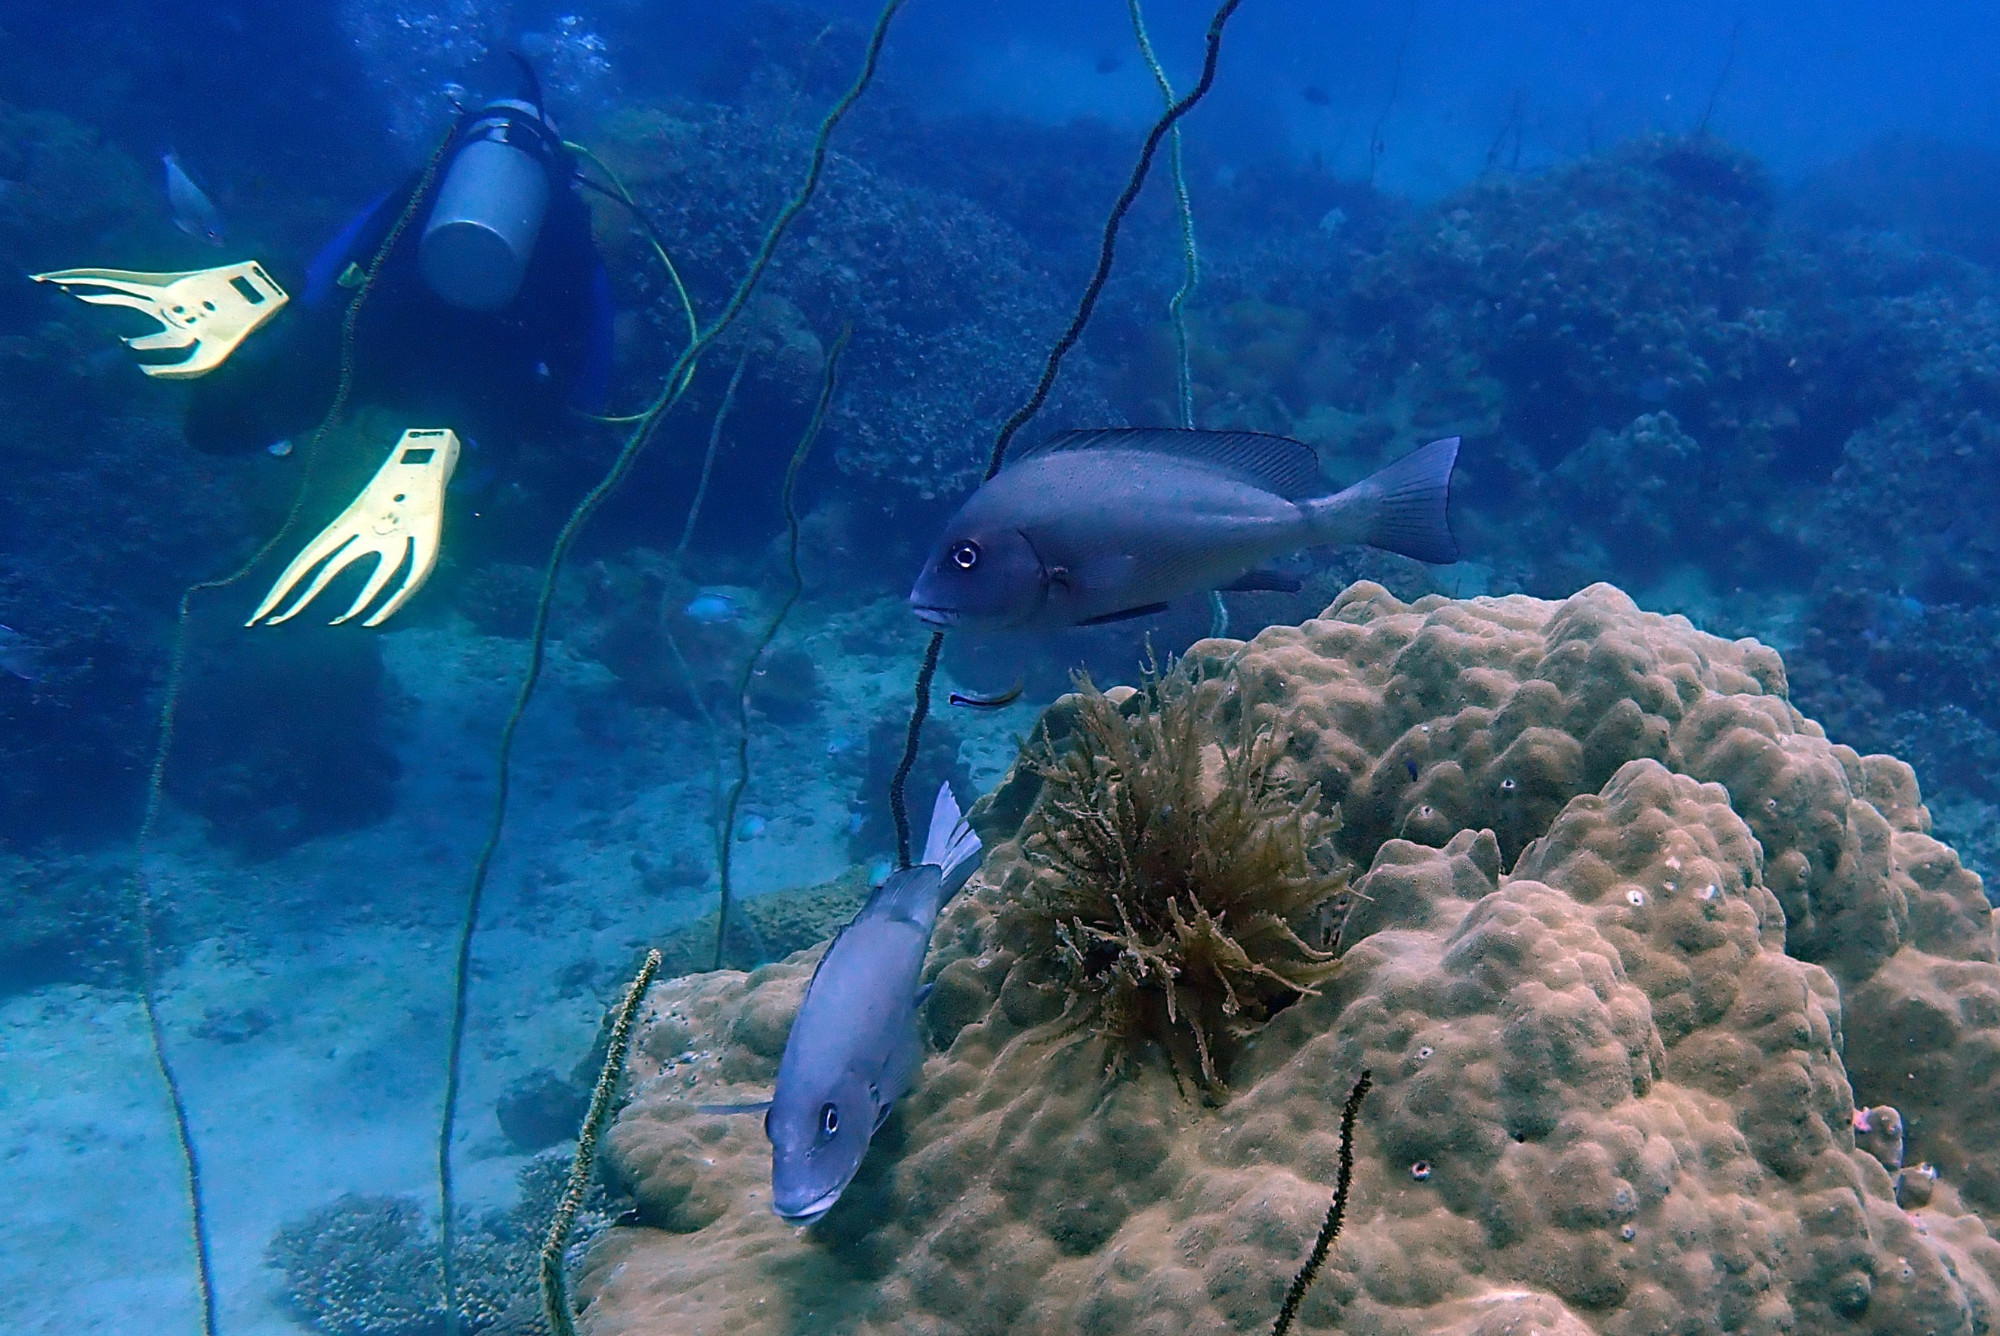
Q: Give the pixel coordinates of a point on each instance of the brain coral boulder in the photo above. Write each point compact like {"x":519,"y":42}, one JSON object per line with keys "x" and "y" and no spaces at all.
{"x":1636,"y":954}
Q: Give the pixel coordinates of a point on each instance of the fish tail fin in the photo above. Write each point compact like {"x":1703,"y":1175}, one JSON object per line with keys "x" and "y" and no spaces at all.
{"x":951,"y":841}
{"x":1408,"y":503}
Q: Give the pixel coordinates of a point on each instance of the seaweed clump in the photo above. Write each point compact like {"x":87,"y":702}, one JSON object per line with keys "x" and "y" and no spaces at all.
{"x":1174,"y":870}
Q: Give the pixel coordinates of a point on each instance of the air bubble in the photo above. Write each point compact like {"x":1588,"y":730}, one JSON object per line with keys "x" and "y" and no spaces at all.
{"x":1506,"y":786}
{"x":1636,"y":896}
{"x":1421,"y":1170}
{"x":1424,"y":1053}
{"x":1628,"y":1233}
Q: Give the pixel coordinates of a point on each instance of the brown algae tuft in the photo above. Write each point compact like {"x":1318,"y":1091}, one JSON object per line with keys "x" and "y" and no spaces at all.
{"x":1173,"y":868}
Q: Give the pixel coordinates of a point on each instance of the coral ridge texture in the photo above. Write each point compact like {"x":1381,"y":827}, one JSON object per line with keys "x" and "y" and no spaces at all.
{"x":1633,"y":945}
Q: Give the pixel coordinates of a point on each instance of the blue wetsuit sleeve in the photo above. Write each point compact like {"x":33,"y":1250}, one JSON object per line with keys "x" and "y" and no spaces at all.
{"x":593,"y":381}
{"x":323,"y":273}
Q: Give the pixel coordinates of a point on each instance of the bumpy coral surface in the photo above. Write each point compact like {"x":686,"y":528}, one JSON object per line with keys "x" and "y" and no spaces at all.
{"x":1638,"y":955}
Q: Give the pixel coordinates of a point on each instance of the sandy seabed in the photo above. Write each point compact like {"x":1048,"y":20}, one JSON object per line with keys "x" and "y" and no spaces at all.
{"x":310,"y":1035}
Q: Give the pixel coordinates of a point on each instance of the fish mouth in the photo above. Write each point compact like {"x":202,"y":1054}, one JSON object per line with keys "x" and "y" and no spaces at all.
{"x":932,"y":615}
{"x":811,"y":1211}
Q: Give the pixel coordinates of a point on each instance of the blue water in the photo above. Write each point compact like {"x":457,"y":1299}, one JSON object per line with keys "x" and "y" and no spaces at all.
{"x":1708,"y":290}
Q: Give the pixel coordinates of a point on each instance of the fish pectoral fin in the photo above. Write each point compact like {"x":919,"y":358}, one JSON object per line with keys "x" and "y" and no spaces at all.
{"x":1276,"y":582}
{"x":899,"y":1072}
{"x":761,"y":1107}
{"x":1124,"y":615}
{"x":1103,"y":570}
{"x":924,"y":994}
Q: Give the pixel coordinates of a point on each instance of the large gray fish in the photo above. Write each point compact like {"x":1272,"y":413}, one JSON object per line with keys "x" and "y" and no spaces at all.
{"x":194,"y":213}
{"x":1098,"y":526}
{"x":854,"y":1049}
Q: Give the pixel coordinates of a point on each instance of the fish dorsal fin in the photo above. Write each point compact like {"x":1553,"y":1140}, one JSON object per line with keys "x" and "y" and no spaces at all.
{"x":1278,"y":463}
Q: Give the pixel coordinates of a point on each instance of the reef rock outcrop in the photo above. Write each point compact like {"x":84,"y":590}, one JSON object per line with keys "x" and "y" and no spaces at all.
{"x":1634,"y":954}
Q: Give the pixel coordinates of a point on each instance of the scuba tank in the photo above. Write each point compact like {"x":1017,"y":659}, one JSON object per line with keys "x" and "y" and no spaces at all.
{"x":489,"y":207}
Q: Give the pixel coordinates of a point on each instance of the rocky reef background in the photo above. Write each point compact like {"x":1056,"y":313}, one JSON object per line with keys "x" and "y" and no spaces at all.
{"x":1764,"y":406}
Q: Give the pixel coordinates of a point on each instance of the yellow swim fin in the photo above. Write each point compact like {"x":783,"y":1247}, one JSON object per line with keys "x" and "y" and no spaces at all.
{"x":208,"y":312}
{"x":398,"y":517}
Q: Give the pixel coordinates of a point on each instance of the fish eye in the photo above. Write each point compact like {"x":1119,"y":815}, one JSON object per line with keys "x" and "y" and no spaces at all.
{"x":965,"y":555}
{"x":829,"y":1120}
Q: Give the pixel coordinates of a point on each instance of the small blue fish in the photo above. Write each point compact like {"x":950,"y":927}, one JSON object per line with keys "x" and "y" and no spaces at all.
{"x":474,"y":481}
{"x":750,"y":827}
{"x":712,"y":608}
{"x":19,"y":655}
{"x":839,"y":745}
{"x":194,"y":213}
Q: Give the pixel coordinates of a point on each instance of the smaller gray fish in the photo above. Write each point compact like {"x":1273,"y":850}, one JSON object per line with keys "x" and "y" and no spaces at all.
{"x":194,"y":213}
{"x":1099,"y":526}
{"x":854,"y":1048}
{"x":19,"y":655}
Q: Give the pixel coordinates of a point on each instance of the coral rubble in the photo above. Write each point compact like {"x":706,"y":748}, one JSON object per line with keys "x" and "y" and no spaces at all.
{"x":368,"y":1266}
{"x":1645,"y":967}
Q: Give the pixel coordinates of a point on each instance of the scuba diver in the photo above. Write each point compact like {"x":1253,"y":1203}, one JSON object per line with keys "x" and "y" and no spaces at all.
{"x":489,"y":317}
{"x":492,"y":312}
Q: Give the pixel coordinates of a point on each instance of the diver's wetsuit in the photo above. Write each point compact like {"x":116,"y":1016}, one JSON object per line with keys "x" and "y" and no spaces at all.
{"x":496,"y":376}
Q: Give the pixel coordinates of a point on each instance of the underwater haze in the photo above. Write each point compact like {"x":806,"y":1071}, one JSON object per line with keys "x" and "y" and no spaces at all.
{"x":1449,"y":552}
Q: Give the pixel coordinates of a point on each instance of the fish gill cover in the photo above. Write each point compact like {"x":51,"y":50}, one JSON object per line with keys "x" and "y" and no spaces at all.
{"x":1709,"y":299}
